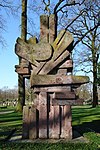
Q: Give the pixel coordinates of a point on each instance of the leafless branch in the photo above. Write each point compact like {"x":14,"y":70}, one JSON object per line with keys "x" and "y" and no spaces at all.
{"x":86,"y":71}
{"x":75,"y":19}
{"x":84,"y":35}
{"x":72,"y":3}
{"x":85,"y":43}
{"x":57,"y":5}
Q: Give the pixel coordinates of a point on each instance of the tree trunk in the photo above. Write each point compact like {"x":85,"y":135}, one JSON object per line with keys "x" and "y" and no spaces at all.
{"x":21,"y":93}
{"x":24,"y":20}
{"x":21,"y":79}
{"x":95,"y":93}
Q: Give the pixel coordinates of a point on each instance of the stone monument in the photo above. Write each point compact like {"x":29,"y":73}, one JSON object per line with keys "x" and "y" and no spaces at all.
{"x":49,"y":69}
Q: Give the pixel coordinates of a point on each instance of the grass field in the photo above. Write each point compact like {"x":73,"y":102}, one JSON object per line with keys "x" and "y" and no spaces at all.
{"x":9,"y":120}
{"x":48,"y":146}
{"x":83,"y":114}
{"x":85,"y":120}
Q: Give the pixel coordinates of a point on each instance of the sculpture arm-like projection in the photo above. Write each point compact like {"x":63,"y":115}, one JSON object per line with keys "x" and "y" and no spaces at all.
{"x":45,"y":52}
{"x":33,"y":52}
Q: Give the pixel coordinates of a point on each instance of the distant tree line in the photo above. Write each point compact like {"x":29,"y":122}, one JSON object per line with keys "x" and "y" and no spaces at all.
{"x":8,"y":94}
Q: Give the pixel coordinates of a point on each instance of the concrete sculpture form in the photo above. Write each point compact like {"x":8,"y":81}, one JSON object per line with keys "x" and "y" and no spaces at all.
{"x":49,"y":69}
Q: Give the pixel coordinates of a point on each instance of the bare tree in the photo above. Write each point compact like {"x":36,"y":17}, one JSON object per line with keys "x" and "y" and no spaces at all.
{"x":84,"y":92}
{"x":7,"y":8}
{"x":21,"y":79}
{"x":82,"y":19}
{"x":8,"y":95}
{"x":87,"y":31}
{"x":98,"y":74}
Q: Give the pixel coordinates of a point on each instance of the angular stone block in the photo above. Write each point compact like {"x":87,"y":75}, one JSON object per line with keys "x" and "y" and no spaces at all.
{"x":26,"y":122}
{"x":58,"y":102}
{"x":56,"y":80}
{"x":66,"y":126}
{"x":32,"y":125}
{"x":52,"y":28}
{"x":52,"y":89}
{"x":64,"y":95}
{"x":52,"y":64}
{"x":67,"y":64}
{"x":42,"y":98}
{"x":51,"y":118}
{"x":55,"y":131}
{"x":63,"y":40}
{"x":43,"y":121}
{"x":62,"y":71}
{"x":41,"y":51}
{"x":44,"y":25}
{"x":23,"y":70}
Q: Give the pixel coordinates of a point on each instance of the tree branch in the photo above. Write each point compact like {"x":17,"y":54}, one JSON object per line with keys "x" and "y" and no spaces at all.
{"x":86,"y":34}
{"x":73,"y":3}
{"x":75,"y":19}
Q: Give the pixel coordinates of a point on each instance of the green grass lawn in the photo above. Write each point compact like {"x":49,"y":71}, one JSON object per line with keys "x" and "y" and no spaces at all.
{"x":9,"y":121}
{"x":83,"y":114}
{"x":85,"y":120}
{"x":48,"y":146}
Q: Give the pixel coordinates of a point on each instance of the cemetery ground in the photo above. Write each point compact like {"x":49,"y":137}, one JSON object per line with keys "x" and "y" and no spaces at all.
{"x":86,"y":131}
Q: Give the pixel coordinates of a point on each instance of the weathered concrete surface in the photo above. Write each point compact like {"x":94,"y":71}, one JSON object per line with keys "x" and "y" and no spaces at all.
{"x":49,"y":62}
{"x":57,"y":80}
{"x":41,"y":51}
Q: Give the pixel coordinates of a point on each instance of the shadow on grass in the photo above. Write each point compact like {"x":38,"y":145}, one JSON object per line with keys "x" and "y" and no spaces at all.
{"x":9,"y":123}
{"x":85,"y":127}
{"x":85,"y":119}
{"x":7,"y":132}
